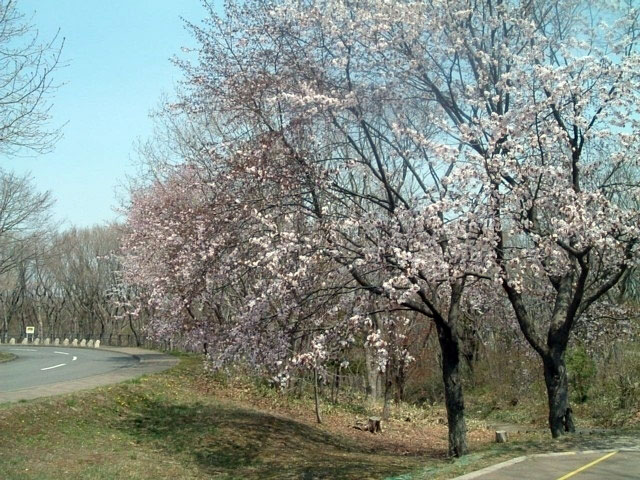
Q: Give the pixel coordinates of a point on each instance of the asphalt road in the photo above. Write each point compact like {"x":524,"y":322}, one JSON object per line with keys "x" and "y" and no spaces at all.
{"x":616,"y":465}
{"x":37,"y":366}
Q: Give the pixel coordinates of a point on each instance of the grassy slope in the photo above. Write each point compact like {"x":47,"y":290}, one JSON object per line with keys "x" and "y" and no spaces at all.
{"x":5,"y":357}
{"x":166,"y":426}
{"x":182,"y":425}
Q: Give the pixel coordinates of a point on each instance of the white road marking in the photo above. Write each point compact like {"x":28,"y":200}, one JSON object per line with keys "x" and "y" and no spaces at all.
{"x":55,"y":366}
{"x":24,"y":349}
{"x":62,"y":353}
{"x":74,"y":359}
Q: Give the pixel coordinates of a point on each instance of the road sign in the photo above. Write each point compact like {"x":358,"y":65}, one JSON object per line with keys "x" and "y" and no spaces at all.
{"x":31,"y":330}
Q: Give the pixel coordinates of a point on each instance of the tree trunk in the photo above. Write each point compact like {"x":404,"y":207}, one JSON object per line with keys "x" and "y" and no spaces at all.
{"x":388,"y":384}
{"x":335,"y":387}
{"x":315,"y":395}
{"x":40,"y":322}
{"x":454,"y":398}
{"x":552,"y":354}
{"x":5,"y":323}
{"x":555,"y":377}
{"x":372,"y":373}
{"x":400,"y":378}
{"x":135,"y":334}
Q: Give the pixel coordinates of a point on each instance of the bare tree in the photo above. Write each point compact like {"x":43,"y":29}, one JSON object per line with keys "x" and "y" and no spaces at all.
{"x":26,"y":66}
{"x":24,"y":216}
{"x":85,"y":272}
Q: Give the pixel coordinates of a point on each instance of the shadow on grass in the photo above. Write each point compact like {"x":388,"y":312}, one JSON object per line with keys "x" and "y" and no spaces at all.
{"x":240,"y":443}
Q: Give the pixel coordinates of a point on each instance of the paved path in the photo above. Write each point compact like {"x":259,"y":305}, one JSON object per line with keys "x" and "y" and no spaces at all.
{"x":40,"y":371}
{"x":590,"y":465}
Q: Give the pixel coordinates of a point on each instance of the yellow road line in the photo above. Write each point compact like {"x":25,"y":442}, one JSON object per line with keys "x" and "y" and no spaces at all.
{"x":571,"y":474}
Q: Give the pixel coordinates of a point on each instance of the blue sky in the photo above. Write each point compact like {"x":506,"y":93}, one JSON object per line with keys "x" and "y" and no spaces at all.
{"x":118,"y":64}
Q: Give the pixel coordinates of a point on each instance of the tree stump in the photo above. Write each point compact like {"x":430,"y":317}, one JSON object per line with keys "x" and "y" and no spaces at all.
{"x":374,"y":425}
{"x":501,"y":436}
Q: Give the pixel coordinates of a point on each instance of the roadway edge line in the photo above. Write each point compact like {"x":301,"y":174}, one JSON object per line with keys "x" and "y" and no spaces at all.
{"x":588,"y":465}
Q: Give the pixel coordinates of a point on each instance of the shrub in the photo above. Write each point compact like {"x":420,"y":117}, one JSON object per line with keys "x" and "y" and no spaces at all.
{"x":582,"y":372}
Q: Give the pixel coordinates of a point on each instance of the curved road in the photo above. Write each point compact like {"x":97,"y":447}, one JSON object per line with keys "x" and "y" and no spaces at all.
{"x":42,"y":371}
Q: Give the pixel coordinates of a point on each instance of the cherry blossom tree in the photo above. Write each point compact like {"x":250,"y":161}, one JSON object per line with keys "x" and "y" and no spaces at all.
{"x":422,"y":153}
{"x":543,"y":97}
{"x":337,"y":181}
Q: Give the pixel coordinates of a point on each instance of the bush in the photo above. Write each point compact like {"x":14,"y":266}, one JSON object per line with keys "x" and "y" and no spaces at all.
{"x":614,"y":397}
{"x":582,"y":372}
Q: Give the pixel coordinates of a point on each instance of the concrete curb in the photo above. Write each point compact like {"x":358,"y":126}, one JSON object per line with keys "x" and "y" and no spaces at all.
{"x":142,"y":355}
{"x":513,"y":461}
{"x":491,"y":469}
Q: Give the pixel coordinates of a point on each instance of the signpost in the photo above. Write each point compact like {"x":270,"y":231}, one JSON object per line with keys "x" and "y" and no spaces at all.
{"x":31,"y":331}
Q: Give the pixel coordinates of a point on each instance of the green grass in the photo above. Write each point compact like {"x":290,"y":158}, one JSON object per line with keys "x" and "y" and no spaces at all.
{"x":165,"y":427}
{"x":6,"y":357}
{"x":178,"y":425}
